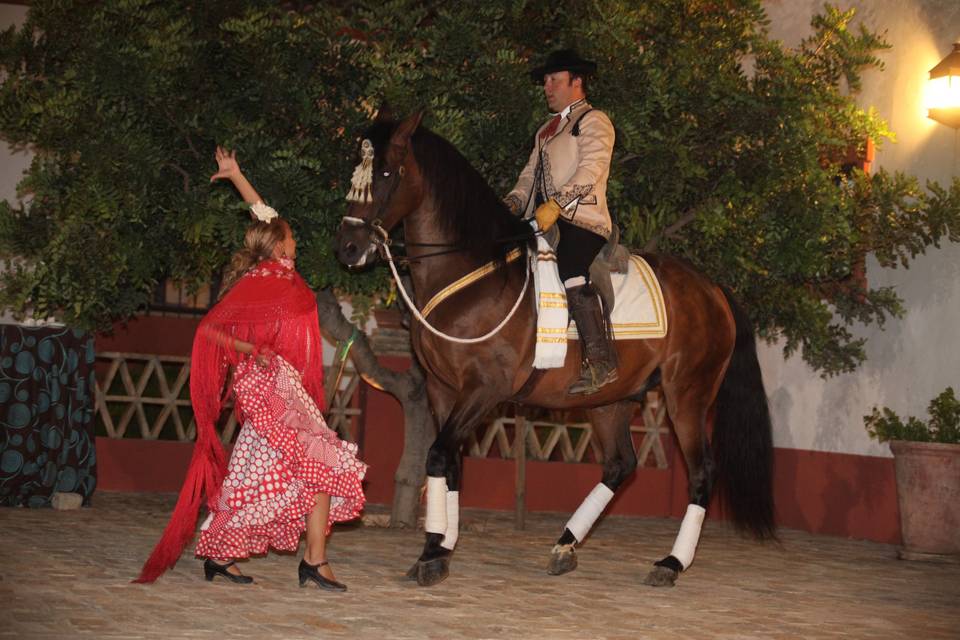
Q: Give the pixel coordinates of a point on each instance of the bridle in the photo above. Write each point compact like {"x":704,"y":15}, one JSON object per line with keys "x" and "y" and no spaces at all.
{"x":380,"y":238}
{"x":375,"y":225}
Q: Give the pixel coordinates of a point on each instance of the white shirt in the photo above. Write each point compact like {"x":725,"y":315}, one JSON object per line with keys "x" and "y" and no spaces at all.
{"x":570,"y":107}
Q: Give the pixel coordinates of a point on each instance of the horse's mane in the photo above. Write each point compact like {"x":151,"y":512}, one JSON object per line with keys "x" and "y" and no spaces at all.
{"x":468,"y":207}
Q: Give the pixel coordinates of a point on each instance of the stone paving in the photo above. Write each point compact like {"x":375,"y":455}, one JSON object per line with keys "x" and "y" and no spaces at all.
{"x":65,"y":574}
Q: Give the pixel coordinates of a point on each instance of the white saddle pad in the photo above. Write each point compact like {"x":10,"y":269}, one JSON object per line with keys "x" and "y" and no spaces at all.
{"x":638,"y":311}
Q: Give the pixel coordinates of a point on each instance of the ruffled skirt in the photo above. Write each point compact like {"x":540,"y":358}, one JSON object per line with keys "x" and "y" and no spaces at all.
{"x":284,"y":455}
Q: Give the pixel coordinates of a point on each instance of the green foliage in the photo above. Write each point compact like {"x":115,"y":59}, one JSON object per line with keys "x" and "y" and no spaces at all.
{"x":943,"y":425}
{"x":729,"y":145}
{"x":123,"y":103}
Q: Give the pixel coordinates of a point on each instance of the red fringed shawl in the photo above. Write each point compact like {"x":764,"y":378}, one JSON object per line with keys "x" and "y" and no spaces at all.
{"x":270,"y":306}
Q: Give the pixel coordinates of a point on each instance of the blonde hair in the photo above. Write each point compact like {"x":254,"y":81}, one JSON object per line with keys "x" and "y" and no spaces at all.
{"x":258,"y":244}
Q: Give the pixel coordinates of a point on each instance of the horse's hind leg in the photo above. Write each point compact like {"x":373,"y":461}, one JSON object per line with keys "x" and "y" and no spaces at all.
{"x":688,"y":412}
{"x":612,"y":426}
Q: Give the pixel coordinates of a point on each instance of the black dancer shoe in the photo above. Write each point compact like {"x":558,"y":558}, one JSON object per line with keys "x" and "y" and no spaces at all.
{"x":309,"y":572}
{"x":212,"y":569}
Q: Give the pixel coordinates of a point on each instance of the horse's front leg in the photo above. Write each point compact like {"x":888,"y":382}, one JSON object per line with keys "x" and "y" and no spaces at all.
{"x":442,"y":519}
{"x":444,"y":464}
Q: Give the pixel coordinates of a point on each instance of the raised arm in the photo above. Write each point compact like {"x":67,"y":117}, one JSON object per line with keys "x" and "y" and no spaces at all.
{"x":229,"y":169}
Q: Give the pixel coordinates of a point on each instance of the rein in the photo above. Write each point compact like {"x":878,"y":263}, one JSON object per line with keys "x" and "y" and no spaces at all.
{"x":381,"y":240}
{"x":452,"y":248}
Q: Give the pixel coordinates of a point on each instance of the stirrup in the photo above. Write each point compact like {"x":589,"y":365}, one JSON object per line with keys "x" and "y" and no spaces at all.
{"x":588,"y":384}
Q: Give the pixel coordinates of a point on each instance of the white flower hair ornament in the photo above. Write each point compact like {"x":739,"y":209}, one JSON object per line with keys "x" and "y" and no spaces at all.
{"x":263,"y":212}
{"x":362,"y":179}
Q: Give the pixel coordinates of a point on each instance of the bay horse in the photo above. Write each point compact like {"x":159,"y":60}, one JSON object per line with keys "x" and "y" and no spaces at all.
{"x":705,"y":364}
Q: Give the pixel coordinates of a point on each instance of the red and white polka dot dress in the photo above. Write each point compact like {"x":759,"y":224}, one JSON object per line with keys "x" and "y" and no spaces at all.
{"x":283,"y":456}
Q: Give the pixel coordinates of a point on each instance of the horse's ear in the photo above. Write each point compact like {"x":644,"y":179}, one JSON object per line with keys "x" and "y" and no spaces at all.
{"x":384,"y":113}
{"x":405,"y":130}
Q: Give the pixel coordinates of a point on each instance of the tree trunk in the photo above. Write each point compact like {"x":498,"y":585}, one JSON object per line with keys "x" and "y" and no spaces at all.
{"x":418,"y":435}
{"x":407,"y":387}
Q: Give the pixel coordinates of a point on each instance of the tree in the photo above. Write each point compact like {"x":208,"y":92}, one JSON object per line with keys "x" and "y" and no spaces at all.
{"x":729,"y":152}
{"x":731,"y":149}
{"x":123,"y":103}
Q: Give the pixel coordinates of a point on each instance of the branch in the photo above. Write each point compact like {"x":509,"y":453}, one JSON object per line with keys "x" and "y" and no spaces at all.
{"x":186,"y":134}
{"x":196,"y":154}
{"x":671,"y":231}
{"x":182,"y":172}
{"x":811,"y":56}
{"x":409,"y":388}
{"x":332,"y":320}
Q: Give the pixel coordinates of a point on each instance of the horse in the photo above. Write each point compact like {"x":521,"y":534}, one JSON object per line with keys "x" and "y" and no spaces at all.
{"x":477,"y":349}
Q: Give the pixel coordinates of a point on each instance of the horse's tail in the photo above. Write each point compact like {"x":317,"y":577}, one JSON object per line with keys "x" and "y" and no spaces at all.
{"x":742,"y":435}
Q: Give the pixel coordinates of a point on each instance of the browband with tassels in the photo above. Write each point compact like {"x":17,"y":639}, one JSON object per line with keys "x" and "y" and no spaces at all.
{"x":362,"y":178}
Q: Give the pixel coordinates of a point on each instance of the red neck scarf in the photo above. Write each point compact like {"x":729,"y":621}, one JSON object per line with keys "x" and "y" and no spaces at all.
{"x":270,"y":307}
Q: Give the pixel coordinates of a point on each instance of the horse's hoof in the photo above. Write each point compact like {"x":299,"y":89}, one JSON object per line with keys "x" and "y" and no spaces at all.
{"x":432,"y":572}
{"x":411,"y":573}
{"x":661,"y":577}
{"x":563,"y":559}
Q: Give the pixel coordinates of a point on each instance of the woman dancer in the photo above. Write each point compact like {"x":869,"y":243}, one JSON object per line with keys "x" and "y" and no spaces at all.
{"x":288,"y":471}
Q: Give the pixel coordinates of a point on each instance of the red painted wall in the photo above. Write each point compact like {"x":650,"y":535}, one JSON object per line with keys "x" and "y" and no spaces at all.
{"x":825,"y":493}
{"x":837,"y":494}
{"x":159,"y":335}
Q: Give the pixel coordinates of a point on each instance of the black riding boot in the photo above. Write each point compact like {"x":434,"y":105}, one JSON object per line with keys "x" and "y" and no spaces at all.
{"x":599,"y":365}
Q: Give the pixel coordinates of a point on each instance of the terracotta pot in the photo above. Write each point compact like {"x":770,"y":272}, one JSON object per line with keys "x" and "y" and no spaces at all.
{"x":928,"y":492}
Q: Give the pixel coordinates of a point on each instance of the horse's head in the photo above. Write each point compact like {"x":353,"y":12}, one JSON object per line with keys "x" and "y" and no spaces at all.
{"x":385,"y":188}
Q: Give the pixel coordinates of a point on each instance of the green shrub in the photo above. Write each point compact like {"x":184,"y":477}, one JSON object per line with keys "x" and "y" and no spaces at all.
{"x":943,"y":425}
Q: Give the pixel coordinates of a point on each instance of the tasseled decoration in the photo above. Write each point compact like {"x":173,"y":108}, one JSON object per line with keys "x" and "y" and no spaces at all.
{"x":362,"y":179}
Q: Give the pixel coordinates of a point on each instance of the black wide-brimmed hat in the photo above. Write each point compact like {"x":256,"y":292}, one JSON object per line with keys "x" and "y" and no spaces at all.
{"x":564,"y":60}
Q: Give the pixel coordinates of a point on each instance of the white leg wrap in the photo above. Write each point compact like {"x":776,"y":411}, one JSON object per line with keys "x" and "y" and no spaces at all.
{"x":436,"y":519}
{"x":453,"y":521}
{"x":575,"y":281}
{"x":686,"y":543}
{"x":589,"y":510}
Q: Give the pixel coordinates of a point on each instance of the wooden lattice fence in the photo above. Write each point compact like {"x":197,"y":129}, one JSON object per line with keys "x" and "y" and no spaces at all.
{"x":150,"y":393}
{"x":571,"y":441}
{"x":145,"y":396}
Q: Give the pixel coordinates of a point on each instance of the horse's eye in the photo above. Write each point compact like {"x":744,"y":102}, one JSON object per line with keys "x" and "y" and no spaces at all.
{"x":386,"y":174}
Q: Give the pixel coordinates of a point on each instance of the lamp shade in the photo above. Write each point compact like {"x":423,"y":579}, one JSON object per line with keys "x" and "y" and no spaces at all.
{"x":944,"y":94}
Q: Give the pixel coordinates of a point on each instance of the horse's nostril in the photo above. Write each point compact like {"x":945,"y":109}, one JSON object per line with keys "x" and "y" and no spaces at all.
{"x":350,"y":250}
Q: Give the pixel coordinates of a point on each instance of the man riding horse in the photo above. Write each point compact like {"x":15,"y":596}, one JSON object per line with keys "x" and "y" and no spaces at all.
{"x":565,"y":183}
{"x":476,"y":335}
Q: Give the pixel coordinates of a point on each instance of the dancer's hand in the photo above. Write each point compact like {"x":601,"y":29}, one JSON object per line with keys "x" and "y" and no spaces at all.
{"x":227,"y":165}
{"x":264,"y":355}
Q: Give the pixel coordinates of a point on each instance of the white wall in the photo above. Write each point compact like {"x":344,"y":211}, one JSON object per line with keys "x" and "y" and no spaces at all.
{"x":914,"y":358}
{"x":12,"y":163}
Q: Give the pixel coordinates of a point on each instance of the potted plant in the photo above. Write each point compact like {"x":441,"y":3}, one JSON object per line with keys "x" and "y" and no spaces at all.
{"x":927,"y":463}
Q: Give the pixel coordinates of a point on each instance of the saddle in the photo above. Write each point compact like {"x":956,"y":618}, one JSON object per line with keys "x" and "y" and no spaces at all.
{"x":613,"y":258}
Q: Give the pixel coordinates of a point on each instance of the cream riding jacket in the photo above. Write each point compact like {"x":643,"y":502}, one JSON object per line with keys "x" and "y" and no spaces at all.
{"x":573,"y":169}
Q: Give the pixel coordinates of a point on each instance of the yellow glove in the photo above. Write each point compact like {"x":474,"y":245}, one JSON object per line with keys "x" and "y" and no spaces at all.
{"x":547,"y":214}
